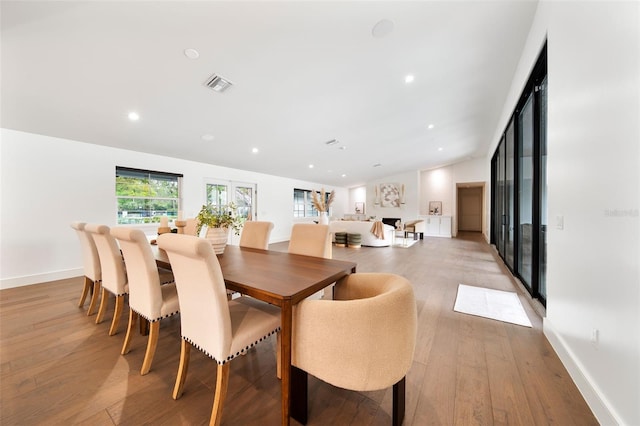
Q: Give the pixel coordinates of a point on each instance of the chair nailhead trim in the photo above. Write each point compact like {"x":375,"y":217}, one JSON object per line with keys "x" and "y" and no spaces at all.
{"x":157,"y":319}
{"x":232,"y":356}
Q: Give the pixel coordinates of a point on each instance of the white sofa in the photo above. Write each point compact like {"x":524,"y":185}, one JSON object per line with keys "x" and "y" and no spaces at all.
{"x":364,"y":229}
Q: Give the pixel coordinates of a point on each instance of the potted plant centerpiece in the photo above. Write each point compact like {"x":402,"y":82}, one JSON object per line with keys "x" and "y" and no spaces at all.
{"x":322,"y":203}
{"x":218,"y":220}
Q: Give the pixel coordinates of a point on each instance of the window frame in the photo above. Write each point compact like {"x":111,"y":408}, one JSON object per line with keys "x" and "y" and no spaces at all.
{"x":308,"y":210}
{"x":150,"y":175}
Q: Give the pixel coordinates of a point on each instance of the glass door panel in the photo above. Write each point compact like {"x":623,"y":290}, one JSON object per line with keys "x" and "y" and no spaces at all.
{"x":220,"y":193}
{"x":542,"y":274}
{"x":525,"y":192}
{"x":500,"y":213}
{"x":509,"y":195}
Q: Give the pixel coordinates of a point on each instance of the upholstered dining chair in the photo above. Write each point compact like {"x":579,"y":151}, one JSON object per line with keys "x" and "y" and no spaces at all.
{"x":255,"y":234}
{"x":147,"y":297}
{"x":363,"y":340}
{"x":191,"y":227}
{"x":220,"y":328}
{"x":309,"y":239}
{"x":91,"y":264}
{"x":114,"y":274}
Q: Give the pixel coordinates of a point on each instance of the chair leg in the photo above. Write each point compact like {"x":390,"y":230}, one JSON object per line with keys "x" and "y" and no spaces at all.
{"x":398,"y":402}
{"x":154,"y":330}
{"x":94,"y":297}
{"x":133,"y":316}
{"x":85,"y":291}
{"x":222,"y":382}
{"x":117,"y":313}
{"x":278,"y":357}
{"x":185,"y":352}
{"x":299,"y":394}
{"x":104,"y":301}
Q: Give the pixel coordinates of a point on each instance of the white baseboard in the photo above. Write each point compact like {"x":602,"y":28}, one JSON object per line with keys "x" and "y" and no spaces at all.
{"x":595,"y":399}
{"x":40,"y":278}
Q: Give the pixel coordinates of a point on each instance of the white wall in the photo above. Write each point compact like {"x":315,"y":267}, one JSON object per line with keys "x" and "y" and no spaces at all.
{"x":46,"y":183}
{"x":593,"y":276}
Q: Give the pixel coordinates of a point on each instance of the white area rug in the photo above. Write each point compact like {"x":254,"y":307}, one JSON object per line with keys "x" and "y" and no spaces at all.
{"x":495,"y":304}
{"x":406,"y":243}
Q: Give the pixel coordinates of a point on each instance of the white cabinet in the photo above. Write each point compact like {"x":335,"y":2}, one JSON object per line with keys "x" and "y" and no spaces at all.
{"x":438,"y":226}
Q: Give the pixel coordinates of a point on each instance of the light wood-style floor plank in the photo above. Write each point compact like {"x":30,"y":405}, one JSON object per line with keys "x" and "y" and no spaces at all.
{"x":58,"y":367}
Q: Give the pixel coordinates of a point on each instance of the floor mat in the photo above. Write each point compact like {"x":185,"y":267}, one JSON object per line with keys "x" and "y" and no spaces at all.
{"x":495,"y":304}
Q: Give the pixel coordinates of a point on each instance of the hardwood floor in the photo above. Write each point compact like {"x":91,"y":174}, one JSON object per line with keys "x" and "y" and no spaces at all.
{"x":58,"y":367}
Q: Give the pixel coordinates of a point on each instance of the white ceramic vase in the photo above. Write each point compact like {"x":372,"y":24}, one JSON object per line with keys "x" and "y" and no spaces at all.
{"x":324,"y":218}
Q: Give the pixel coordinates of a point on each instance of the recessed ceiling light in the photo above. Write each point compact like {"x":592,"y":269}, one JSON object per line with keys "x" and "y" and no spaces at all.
{"x":440,"y":149}
{"x":344,"y":175}
{"x":430,"y":126}
{"x":254,"y":150}
{"x":208,"y":137}
{"x":409,"y":78}
{"x":382,"y":28}
{"x":311,"y":166}
{"x":191,"y":53}
{"x":134,"y":116}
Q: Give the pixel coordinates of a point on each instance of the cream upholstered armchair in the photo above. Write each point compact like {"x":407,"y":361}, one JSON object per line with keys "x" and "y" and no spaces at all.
{"x":363,"y":340}
{"x":91,"y":264}
{"x":255,"y":234}
{"x":147,"y":297}
{"x":220,"y":328}
{"x":114,"y":274}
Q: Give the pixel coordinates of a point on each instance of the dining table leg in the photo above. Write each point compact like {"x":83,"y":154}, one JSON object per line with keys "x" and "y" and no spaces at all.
{"x":285,"y":353}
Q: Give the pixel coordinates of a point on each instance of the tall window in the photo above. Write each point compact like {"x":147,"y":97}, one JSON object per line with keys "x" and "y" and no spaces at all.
{"x":143,"y":195}
{"x":302,"y":205}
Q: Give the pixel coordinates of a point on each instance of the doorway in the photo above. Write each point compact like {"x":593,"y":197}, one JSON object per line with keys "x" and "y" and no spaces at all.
{"x":470,"y":201}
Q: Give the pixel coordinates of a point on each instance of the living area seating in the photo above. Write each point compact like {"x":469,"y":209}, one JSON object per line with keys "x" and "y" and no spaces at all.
{"x":415,"y":227}
{"x":363,"y":228}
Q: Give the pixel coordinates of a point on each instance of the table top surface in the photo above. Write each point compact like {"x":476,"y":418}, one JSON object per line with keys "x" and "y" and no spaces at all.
{"x":274,"y":276}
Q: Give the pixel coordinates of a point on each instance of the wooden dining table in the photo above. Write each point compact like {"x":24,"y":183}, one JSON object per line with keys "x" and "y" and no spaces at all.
{"x":281,"y":279}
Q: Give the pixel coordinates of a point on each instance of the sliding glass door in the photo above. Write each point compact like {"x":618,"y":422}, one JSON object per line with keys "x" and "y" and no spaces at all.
{"x":519,"y":214}
{"x":525,"y":191}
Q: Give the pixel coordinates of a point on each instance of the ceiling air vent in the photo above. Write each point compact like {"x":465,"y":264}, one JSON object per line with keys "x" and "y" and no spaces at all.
{"x":218,"y":83}
{"x":331,"y":142}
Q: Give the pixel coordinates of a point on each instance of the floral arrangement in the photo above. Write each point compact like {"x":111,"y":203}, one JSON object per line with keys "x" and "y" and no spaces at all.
{"x":322,"y":203}
{"x":220,"y":217}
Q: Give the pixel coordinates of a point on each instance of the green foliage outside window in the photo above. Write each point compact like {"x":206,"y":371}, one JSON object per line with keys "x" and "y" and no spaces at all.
{"x":144,"y":196}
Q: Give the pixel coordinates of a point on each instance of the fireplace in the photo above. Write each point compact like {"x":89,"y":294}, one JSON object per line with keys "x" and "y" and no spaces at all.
{"x":393,"y":221}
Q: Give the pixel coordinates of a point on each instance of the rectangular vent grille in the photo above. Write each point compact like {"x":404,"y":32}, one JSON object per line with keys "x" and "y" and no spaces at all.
{"x":218,"y":83}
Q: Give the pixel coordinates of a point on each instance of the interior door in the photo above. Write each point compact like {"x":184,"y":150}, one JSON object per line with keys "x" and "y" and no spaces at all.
{"x":470,"y":209}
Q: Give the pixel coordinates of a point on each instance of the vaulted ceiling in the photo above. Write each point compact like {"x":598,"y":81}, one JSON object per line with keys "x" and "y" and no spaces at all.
{"x":303,"y":73}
